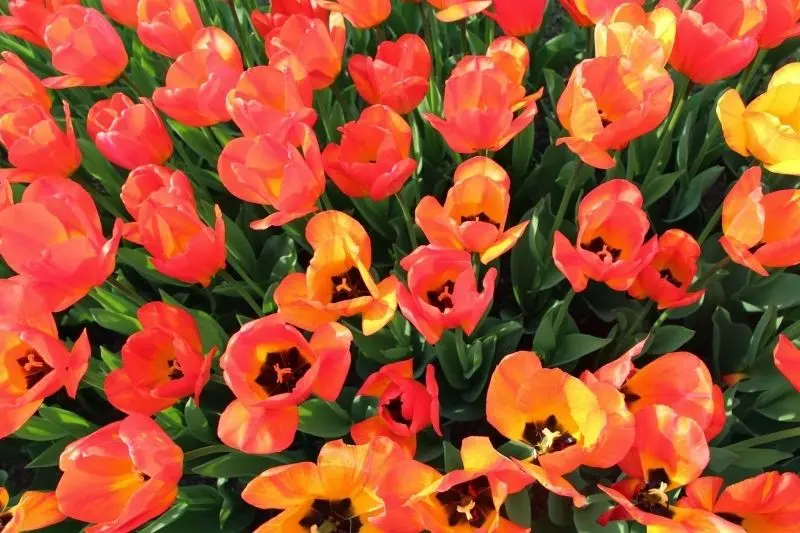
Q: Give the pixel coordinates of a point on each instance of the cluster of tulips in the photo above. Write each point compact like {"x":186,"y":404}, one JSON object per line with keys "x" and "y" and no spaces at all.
{"x":645,"y":426}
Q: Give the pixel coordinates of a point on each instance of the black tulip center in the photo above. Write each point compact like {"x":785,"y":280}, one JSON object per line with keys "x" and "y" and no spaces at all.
{"x":348,"y":285}
{"x":331,"y":516}
{"x":442,"y":297}
{"x":603,"y":250}
{"x":34,"y":367}
{"x":281,"y":371}
{"x":468,"y":503}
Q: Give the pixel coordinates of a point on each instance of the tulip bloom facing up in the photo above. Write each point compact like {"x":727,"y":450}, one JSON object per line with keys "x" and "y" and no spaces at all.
{"x":716,"y":39}
{"x":517,"y":18}
{"x":644,"y":38}
{"x":128,"y":134}
{"x":281,"y":10}
{"x":54,"y":241}
{"x":122,"y":12}
{"x":35,"y":510}
{"x":474,"y":214}
{"x":397,"y":77}
{"x":611,"y":245}
{"x":272,"y":369}
{"x":161,"y":364}
{"x":455,"y":10}
{"x":36,"y":145}
{"x":760,"y":230}
{"x":85,"y":47}
{"x":666,"y":280}
{"x":608,"y":102}
{"x":361,"y":14}
{"x":168,"y":27}
{"x":589,"y":13}
{"x":28,"y":18}
{"x":405,"y":406}
{"x":282,"y":170}
{"x":373,"y":158}
{"x":338,"y":493}
{"x":338,"y":281}
{"x":787,"y":359}
{"x":783,"y":22}
{"x":19,"y":87}
{"x":138,"y":479}
{"x":442,"y":291}
{"x":767,"y":128}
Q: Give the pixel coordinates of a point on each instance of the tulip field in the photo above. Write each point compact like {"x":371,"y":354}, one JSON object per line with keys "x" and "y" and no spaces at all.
{"x":398,"y":266}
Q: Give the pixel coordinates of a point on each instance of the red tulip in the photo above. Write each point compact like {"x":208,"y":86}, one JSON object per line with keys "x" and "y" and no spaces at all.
{"x":19,"y":87}
{"x":28,"y":18}
{"x":783,"y":22}
{"x":518,"y":18}
{"x":455,"y":10}
{"x":122,"y":12}
{"x":588,"y":13}
{"x":361,"y":14}
{"x":787,"y":359}
{"x":281,"y":10}
{"x":168,"y":27}
{"x":34,"y":510}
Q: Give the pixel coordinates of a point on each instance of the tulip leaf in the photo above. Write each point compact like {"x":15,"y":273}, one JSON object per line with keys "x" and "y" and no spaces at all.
{"x":730,"y":342}
{"x":781,"y":404}
{"x":118,"y":322}
{"x":585,"y":519}
{"x":689,"y":196}
{"x":40,"y":429}
{"x":167,"y":519}
{"x":449,"y":360}
{"x":573,"y":346}
{"x":518,"y":507}
{"x":669,"y":338}
{"x":758,"y":458}
{"x":50,"y":456}
{"x":140,"y":262}
{"x":323,"y":419}
{"x":196,"y":140}
{"x":73,"y":424}
{"x":521,"y":151}
{"x":780,"y":289}
{"x":559,"y":509}
{"x":197,"y":423}
{"x":236,"y":464}
{"x":654,"y":188}
{"x":452,"y":457}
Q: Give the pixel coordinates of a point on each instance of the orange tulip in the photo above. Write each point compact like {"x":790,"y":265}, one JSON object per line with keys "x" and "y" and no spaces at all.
{"x":373,"y":158}
{"x":787,"y":359}
{"x":317,"y":46}
{"x":587,"y":13}
{"x":716,"y":39}
{"x":644,"y":38}
{"x":272,"y":369}
{"x":6,"y":194}
{"x":35,"y":364}
{"x":54,"y":240}
{"x":611,"y":245}
{"x":766,"y":503}
{"x":161,"y":364}
{"x":517,"y":18}
{"x":442,"y":291}
{"x":138,"y":479}
{"x":405,"y":406}
{"x":783,"y":22}
{"x":282,"y":170}
{"x":198,"y":81}
{"x":666,"y":280}
{"x":338,"y":493}
{"x":168,"y":27}
{"x":474,"y":214}
{"x":35,"y":510}
{"x":265,"y":99}
{"x":338,"y":281}
{"x":36,"y":145}
{"x":28,"y":18}
{"x":455,"y":10}
{"x":85,"y":47}
{"x":122,"y":12}
{"x":361,"y":14}
{"x":761,"y":230}
{"x":19,"y":87}
{"x":397,"y":77}
{"x":608,"y":103}
{"x":280,"y":10}
{"x":128,"y":134}
{"x":480,"y":100}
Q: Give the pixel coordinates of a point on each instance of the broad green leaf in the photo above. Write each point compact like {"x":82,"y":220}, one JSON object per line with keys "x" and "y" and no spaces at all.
{"x":40,"y":429}
{"x":238,"y":465}
{"x":669,"y":338}
{"x":197,"y":423}
{"x":117,"y":322}
{"x":323,"y":419}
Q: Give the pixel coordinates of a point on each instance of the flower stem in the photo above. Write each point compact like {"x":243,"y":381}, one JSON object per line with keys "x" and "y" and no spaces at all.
{"x":710,"y":225}
{"x":765,"y":439}
{"x":702,"y":280}
{"x":412,"y":235}
{"x":242,"y":291}
{"x":562,"y":207}
{"x":128,"y":293}
{"x":682,"y":95}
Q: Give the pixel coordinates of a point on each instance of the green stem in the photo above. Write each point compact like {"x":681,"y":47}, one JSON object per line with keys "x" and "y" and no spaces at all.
{"x":489,"y":31}
{"x":666,"y":134}
{"x":464,"y":42}
{"x":710,"y":225}
{"x":412,"y":234}
{"x":589,"y":42}
{"x":205,"y":451}
{"x":242,"y":292}
{"x":240,"y":33}
{"x":430,"y":40}
{"x":129,"y":294}
{"x":743,"y":87}
{"x":702,"y":280}
{"x":562,"y":207}
{"x":241,"y":272}
{"x":765,"y":439}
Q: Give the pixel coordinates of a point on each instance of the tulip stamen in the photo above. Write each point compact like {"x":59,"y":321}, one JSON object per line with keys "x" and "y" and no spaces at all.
{"x":666,"y":274}
{"x":281,"y":371}
{"x":466,"y":509}
{"x":653,"y":498}
{"x":547,"y":437}
{"x":331,"y":516}
{"x":34,"y":367}
{"x":348,"y":285}
{"x":442,"y":298}
{"x":175,"y":371}
{"x":606,"y":253}
{"x":469,"y":502}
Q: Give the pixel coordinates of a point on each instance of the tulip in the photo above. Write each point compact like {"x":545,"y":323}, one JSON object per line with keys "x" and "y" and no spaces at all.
{"x":644,"y":38}
{"x":122,"y":12}
{"x":765,"y":128}
{"x":608,"y":103}
{"x":405,"y":406}
{"x":317,"y":46}
{"x":128,"y":134}
{"x":480,"y":100}
{"x":168,"y":27}
{"x":265,"y":99}
{"x":787,"y":360}
{"x":54,"y":241}
{"x":36,"y":145}
{"x":474,"y":214}
{"x":455,"y":10}
{"x":442,"y":291}
{"x":516,"y":18}
{"x":85,"y":47}
{"x":35,"y":364}
{"x":611,"y":245}
{"x":716,"y":39}
{"x":198,"y":81}
{"x":338,"y":492}
{"x":338,"y":281}
{"x":760,"y":231}
{"x":361,"y":14}
{"x":28,"y":18}
{"x":6,"y":194}
{"x":137,"y":482}
{"x":34,"y":510}
{"x":397,"y":77}
{"x":783,"y":22}
{"x":668,"y":278}
{"x":586,"y":14}
{"x":280,"y":10}
{"x":373,"y":158}
{"x":19,"y":87}
{"x":161,"y":364}
{"x":272,"y":369}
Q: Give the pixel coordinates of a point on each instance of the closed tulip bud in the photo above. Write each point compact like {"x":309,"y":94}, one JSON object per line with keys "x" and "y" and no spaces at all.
{"x":317,"y":46}
{"x":34,"y":510}
{"x":783,"y":22}
{"x":85,"y":47}
{"x":198,"y":81}
{"x":397,"y":77}
{"x":36,"y":145}
{"x":373,"y":157}
{"x":589,"y":13}
{"x":644,"y":38}
{"x":122,"y":12}
{"x":518,"y":18}
{"x":28,"y":18}
{"x":716,"y":39}
{"x":168,"y":27}
{"x":138,"y":482}
{"x":128,"y":134}
{"x":58,"y":221}
{"x":455,"y":10}
{"x":19,"y":86}
{"x":280,"y":10}
{"x":361,"y":14}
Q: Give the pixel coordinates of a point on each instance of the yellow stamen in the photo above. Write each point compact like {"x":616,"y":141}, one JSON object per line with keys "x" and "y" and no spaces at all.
{"x":548,"y":439}
{"x":466,"y":509}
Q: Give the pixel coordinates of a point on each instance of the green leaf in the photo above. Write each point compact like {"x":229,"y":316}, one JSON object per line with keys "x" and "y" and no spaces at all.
{"x":780,"y":289}
{"x":140,"y":262}
{"x":585,"y":519}
{"x":197,"y":423}
{"x":576,"y":345}
{"x":452,"y":457}
{"x":669,"y":338}
{"x":721,"y":459}
{"x":72,"y":423}
{"x":114,"y":302}
{"x":559,"y":509}
{"x":112,"y":360}
{"x":323,"y":419}
{"x":202,"y":496}
{"x":758,"y":458}
{"x":447,"y":354}
{"x":685,"y":141}
{"x":521,"y":151}
{"x":783,"y":406}
{"x":51,"y":455}
{"x":167,"y":519}
{"x":100,"y":169}
{"x":196,"y":140}
{"x":730,"y":341}
{"x":239,"y":247}
{"x":238,"y":464}
{"x":117,"y":322}
{"x":654,"y":188}
{"x":171,"y":421}
{"x":518,"y":507}
{"x":211,"y":333}
{"x":40,"y":429}
{"x":689,"y":197}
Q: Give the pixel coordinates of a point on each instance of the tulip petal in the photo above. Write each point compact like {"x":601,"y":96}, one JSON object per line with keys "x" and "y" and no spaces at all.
{"x":284,"y":487}
{"x":258,"y":430}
